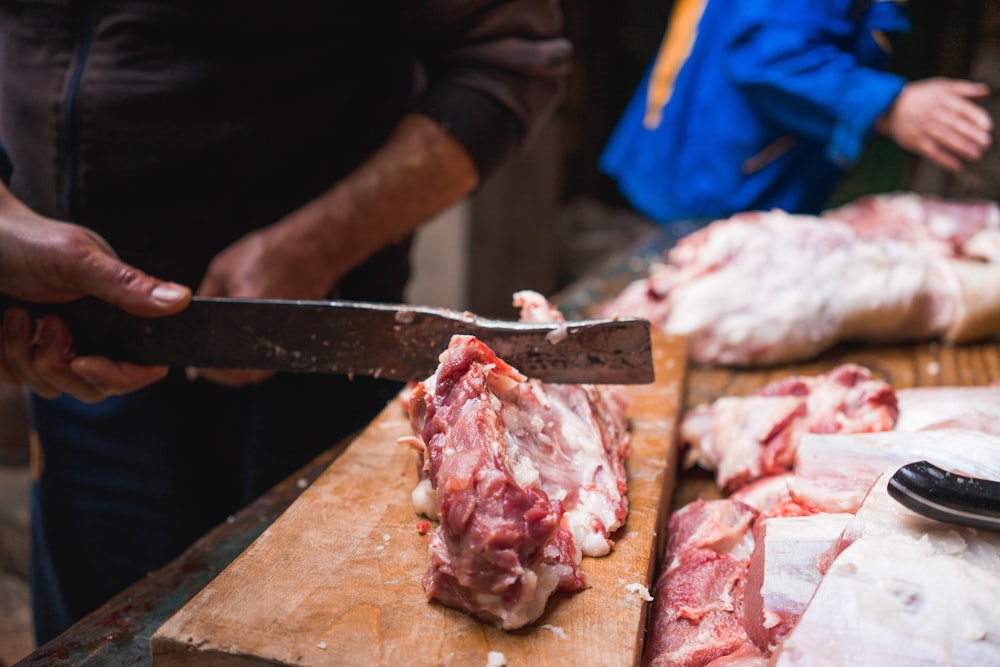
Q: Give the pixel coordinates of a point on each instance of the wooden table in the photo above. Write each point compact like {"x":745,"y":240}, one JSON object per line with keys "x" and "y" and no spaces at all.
{"x":118,"y":633}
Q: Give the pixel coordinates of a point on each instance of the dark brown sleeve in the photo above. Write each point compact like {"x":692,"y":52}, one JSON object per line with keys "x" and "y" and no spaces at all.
{"x":495,"y":70}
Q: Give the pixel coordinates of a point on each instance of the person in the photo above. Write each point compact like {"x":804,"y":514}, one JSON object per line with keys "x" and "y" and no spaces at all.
{"x":161,"y":149}
{"x":752,"y":105}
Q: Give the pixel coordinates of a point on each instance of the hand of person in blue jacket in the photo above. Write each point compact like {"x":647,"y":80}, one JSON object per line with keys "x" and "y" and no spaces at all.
{"x":938,"y":119}
{"x":44,"y":260}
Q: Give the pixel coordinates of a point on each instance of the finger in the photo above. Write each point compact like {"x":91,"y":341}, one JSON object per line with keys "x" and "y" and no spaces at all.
{"x":961,"y":145}
{"x":933,"y":152}
{"x":971,"y":132}
{"x":970,"y":113}
{"x":971,"y":89}
{"x":130,"y":289}
{"x":6,"y":374}
{"x":113,"y":378}
{"x":233,"y":377}
{"x":18,"y":336}
{"x":53,"y":353}
{"x":958,"y":137}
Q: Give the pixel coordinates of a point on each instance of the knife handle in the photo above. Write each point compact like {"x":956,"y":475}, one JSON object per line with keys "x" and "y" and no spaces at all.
{"x":97,"y":326}
{"x":938,"y":494}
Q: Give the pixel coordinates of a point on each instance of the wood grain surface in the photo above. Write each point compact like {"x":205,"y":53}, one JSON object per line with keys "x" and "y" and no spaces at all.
{"x":336,"y":579}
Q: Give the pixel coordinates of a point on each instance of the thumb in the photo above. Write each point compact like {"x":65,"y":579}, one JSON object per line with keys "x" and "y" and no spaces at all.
{"x":132,"y":290}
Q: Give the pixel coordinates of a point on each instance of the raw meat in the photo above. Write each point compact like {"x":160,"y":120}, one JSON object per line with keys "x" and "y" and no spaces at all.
{"x":925,"y":408}
{"x":903,"y":590}
{"x":696,"y":615}
{"x":834,"y":472}
{"x":839,"y":572}
{"x":744,"y":438}
{"x":771,"y":497}
{"x":770,"y":287}
{"x":789,"y":557}
{"x":525,"y":478}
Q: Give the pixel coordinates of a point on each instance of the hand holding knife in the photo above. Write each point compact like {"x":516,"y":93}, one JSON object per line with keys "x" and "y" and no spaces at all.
{"x":395,"y":341}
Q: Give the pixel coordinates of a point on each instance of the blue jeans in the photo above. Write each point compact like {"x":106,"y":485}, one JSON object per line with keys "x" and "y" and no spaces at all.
{"x":129,"y":483}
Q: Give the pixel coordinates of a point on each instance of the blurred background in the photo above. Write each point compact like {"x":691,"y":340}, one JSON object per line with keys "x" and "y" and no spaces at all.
{"x":549,"y":216}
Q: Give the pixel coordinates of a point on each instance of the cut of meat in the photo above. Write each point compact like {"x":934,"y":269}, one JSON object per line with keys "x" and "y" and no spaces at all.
{"x":835,"y":472}
{"x":789,"y":557}
{"x":976,"y":408}
{"x":744,"y":438}
{"x":903,"y":590}
{"x":696,"y":615}
{"x":769,"y":287}
{"x":524,"y":478}
{"x":501,"y":548}
{"x":839,"y":572}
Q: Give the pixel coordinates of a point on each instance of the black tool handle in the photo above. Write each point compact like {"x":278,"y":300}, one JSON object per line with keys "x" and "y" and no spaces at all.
{"x":97,"y":326}
{"x":938,"y":494}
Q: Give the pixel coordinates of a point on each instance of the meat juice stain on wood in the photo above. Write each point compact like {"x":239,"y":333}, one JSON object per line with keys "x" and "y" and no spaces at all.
{"x":337,"y":578}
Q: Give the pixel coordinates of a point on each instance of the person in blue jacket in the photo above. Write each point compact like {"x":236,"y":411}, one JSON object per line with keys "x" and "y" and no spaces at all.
{"x":754,"y":105}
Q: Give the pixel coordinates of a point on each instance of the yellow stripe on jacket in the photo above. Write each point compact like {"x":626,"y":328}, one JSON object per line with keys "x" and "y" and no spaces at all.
{"x":674,"y":50}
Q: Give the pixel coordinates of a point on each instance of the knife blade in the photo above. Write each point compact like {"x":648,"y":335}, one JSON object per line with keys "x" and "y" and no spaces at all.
{"x":394,"y":341}
{"x":935,"y":493}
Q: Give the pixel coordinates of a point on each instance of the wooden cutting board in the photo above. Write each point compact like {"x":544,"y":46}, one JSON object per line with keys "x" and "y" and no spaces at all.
{"x":335,"y":580}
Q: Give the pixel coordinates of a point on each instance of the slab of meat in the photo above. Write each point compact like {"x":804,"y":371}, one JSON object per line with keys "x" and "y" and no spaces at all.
{"x":834,"y":472}
{"x":924,"y":408}
{"x":697,"y":611}
{"x":838,"y":572}
{"x":744,"y":438}
{"x":524,"y":478}
{"x":789,"y":557}
{"x":769,"y":287}
{"x":903,"y":590}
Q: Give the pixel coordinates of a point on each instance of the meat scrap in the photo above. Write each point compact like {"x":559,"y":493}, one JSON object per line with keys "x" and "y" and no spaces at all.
{"x":524,"y":478}
{"x":769,"y":287}
{"x":745,"y":438}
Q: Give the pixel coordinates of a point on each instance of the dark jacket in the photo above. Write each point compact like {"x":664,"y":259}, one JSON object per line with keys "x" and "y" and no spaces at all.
{"x":173,"y":127}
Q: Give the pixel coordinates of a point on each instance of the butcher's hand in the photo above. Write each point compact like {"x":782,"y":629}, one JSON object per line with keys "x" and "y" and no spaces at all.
{"x":418,"y":172}
{"x":938,"y":119}
{"x":44,"y":260}
{"x":282,"y":261}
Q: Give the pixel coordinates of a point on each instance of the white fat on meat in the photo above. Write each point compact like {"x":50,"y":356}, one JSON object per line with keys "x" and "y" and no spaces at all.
{"x":923,"y":408}
{"x":833,"y":473}
{"x":770,"y":287}
{"x":789,"y":557}
{"x":524,"y":477}
{"x":903,"y":590}
{"x":745,"y":438}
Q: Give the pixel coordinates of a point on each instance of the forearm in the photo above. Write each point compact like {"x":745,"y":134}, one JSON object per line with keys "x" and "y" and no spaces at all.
{"x":418,"y":172}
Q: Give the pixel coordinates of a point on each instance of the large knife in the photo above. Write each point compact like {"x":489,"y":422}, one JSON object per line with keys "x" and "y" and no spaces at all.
{"x":395,"y":341}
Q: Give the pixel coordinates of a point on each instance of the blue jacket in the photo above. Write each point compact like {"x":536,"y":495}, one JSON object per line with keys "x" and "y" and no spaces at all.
{"x":773,"y":103}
